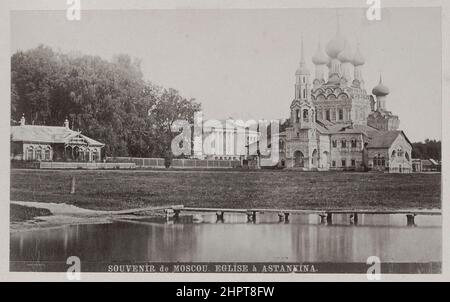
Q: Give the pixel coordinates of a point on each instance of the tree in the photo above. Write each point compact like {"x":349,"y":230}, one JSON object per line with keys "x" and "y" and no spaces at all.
{"x":168,"y":107}
{"x":427,"y":149}
{"x":108,"y":101}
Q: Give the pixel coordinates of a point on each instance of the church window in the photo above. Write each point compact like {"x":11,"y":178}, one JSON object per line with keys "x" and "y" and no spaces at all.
{"x":341,"y":114}
{"x":297,"y":116}
{"x":344,"y":163}
{"x":305,"y":115}
{"x":38,"y":154}
{"x":343,"y":143}
{"x":304,"y":93}
{"x":334,"y":143}
{"x":327,"y":114}
{"x":393,"y":153}
{"x":47,"y":154}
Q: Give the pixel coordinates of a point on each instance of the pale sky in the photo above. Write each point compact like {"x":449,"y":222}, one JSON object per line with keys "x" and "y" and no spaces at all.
{"x":241,"y":63}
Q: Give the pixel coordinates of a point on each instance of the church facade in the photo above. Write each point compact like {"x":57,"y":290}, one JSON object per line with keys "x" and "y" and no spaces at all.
{"x":335,"y":124}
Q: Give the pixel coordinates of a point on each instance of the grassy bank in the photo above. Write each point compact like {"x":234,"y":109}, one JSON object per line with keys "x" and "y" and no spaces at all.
{"x":21,"y":213}
{"x":113,"y":190}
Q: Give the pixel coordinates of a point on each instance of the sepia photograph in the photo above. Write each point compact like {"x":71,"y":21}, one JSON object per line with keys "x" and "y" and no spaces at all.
{"x":226,"y":140}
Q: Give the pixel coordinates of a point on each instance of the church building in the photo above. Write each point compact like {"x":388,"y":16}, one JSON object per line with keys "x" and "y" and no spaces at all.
{"x":335,"y":124}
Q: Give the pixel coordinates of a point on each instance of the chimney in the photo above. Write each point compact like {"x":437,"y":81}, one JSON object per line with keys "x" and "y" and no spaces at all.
{"x":66,"y":123}
{"x":22,"y":120}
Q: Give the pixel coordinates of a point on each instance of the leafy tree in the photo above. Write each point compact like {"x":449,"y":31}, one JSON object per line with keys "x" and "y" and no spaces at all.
{"x":106,"y":100}
{"x":427,"y":149}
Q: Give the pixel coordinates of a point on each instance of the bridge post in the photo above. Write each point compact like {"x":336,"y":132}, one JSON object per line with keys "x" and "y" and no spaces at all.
{"x":219,"y":216}
{"x":169,"y":213}
{"x":280,"y":217}
{"x":354,"y":218}
{"x":176,"y":214}
{"x":251,"y":216}
{"x":410,"y":220}
{"x":322,"y":218}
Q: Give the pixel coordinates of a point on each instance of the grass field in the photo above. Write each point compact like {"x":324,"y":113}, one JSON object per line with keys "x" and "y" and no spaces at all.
{"x":21,"y":213}
{"x":113,"y":190}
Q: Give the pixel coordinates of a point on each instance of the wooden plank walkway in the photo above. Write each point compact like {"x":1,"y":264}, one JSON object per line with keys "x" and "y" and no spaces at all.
{"x":326,"y":215}
{"x":147,"y":209}
{"x":322,"y":211}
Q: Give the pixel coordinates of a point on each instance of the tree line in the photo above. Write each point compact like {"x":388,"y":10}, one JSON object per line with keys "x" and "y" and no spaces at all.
{"x":107,"y":100}
{"x":427,"y":149}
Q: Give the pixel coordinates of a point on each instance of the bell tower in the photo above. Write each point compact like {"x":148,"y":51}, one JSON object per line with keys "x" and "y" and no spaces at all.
{"x":302,"y":76}
{"x":302,"y":110}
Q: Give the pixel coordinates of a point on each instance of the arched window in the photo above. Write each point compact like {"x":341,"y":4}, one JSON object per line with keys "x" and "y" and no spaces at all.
{"x":305,"y":115}
{"x":38,"y":154}
{"x":327,"y":115}
{"x":341,"y":114}
{"x":334,"y":143}
{"x":47,"y":154}
{"x":30,"y":153}
{"x":94,"y":155}
{"x":353,"y":143}
{"x":393,"y":153}
{"x":407,"y":156}
{"x":343,"y":143}
{"x":297,"y":116}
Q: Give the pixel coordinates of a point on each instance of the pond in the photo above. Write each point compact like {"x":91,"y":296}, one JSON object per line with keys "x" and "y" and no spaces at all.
{"x":303,"y":239}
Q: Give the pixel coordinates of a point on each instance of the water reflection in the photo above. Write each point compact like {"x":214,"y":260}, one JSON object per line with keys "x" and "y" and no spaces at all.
{"x":303,"y":239}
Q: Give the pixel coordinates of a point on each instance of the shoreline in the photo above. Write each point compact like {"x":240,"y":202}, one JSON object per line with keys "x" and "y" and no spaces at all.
{"x":65,"y":215}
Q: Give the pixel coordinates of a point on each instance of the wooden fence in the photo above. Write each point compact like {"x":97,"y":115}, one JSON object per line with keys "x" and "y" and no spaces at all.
{"x":159,"y":163}
{"x":83,"y":165}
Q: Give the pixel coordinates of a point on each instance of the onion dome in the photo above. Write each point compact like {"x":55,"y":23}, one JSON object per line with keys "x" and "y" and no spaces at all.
{"x":346,"y":54}
{"x":335,"y":46}
{"x":380,"y":89}
{"x":358,"y":58}
{"x":320,"y":58}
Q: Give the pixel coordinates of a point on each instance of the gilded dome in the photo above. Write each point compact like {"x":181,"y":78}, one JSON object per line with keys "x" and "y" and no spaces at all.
{"x":358,"y":58}
{"x":380,"y":89}
{"x":335,"y":46}
{"x":346,"y":54}
{"x":320,"y":58}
